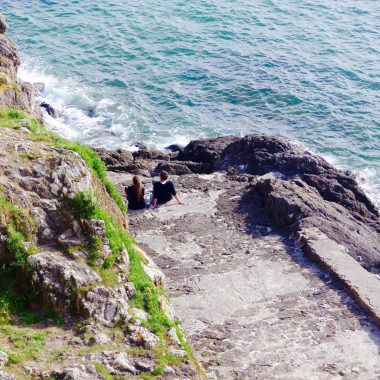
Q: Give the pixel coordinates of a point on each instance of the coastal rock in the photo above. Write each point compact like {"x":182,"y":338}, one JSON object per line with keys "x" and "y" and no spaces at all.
{"x":207,"y":152}
{"x":49,"y":109}
{"x":115,"y":158}
{"x":59,"y":277}
{"x":294,"y":204}
{"x":3,"y":24}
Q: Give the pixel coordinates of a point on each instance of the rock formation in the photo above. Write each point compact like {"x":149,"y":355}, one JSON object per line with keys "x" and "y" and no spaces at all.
{"x":68,"y":262}
{"x":13,"y":91}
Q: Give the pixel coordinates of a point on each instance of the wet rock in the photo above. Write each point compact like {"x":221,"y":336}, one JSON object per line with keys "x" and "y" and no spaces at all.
{"x":3,"y":359}
{"x":3,"y":24}
{"x":50,"y":110}
{"x":174,"y":148}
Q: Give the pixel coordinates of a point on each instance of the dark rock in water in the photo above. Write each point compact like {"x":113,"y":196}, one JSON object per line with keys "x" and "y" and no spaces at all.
{"x":174,"y":148}
{"x":50,"y":110}
{"x":115,"y":158}
{"x":3,"y":24}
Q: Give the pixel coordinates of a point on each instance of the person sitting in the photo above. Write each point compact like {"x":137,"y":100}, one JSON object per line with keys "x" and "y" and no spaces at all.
{"x":164,"y":190}
{"x":135,"y":195}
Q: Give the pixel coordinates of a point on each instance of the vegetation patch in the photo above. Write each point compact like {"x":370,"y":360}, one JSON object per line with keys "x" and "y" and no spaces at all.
{"x":15,"y":119}
{"x":147,"y":294}
{"x":25,"y":344}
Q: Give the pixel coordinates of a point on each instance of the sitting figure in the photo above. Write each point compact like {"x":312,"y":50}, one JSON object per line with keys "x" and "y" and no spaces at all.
{"x":135,"y":195}
{"x":163,"y":191}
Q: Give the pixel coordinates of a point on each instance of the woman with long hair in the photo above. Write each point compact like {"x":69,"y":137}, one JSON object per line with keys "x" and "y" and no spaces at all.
{"x":135,"y":194}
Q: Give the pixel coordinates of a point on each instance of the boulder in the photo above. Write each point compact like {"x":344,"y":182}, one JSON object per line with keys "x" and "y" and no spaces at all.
{"x":115,"y":158}
{"x":49,"y":109}
{"x":3,"y":24}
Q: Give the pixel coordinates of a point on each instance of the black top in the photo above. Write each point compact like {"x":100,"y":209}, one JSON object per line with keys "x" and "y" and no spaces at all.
{"x":133,"y":202}
{"x":163,"y":191}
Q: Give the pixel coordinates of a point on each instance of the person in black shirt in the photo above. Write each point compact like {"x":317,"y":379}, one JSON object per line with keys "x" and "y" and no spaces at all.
{"x":163,"y":191}
{"x":135,"y":195}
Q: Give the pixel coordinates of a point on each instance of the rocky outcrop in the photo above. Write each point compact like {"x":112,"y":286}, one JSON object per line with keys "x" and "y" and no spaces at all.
{"x":13,"y":91}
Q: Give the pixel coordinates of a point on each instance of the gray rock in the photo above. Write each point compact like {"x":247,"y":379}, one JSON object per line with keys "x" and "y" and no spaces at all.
{"x":58,"y":277}
{"x":141,"y":336}
{"x":6,"y":376}
{"x":106,"y":305}
{"x":3,"y":359}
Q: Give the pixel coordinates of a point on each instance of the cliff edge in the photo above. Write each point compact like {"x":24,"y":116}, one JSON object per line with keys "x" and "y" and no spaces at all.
{"x":78,"y":298}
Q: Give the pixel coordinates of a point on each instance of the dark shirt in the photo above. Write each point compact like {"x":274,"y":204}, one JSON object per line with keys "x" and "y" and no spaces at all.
{"x":133,"y":202}
{"x":163,"y":192}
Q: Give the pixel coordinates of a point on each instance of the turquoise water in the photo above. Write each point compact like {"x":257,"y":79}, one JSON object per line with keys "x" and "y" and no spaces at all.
{"x":162,"y":72}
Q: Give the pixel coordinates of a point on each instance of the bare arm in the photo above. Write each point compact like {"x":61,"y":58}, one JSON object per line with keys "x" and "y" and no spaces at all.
{"x":154,"y":203}
{"x":178,"y":200}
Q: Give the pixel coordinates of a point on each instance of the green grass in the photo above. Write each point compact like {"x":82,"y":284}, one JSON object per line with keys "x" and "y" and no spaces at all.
{"x":103,"y":371}
{"x":13,"y":118}
{"x":26,"y":343}
{"x":147,"y":294}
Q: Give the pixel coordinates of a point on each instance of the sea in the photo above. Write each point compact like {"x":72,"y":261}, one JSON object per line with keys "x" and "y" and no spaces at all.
{"x":163,"y":72}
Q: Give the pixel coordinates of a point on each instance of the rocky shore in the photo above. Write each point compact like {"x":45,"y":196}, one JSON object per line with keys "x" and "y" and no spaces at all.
{"x":272,"y":265}
{"x":269,"y":262}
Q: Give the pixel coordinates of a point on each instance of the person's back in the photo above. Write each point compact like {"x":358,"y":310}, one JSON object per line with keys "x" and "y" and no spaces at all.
{"x":135,"y":195}
{"x":163,"y":191}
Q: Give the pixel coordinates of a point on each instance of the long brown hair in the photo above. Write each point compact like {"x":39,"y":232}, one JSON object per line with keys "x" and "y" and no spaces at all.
{"x":138,"y":187}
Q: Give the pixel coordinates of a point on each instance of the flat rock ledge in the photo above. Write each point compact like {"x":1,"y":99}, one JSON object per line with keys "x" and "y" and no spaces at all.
{"x":272,"y":265}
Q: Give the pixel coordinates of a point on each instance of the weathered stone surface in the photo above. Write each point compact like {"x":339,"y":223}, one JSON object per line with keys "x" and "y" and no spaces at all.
{"x":78,"y":372}
{"x":106,"y":305}
{"x":208,"y":152}
{"x":60,"y":278}
{"x":141,"y":336}
{"x":293,"y":204}
{"x":363,"y":285}
{"x":251,"y":303}
{"x":3,"y":359}
{"x":6,"y":376}
{"x":117,"y":157}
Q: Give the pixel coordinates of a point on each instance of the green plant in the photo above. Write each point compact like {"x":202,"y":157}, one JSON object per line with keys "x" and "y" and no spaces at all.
{"x":103,"y":371}
{"x":14,"y":118}
{"x":26,"y":344}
